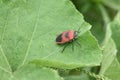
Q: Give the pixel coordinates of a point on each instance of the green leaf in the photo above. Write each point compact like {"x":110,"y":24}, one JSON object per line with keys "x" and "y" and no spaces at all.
{"x":115,"y":4}
{"x":109,"y":54}
{"x":29,"y":28}
{"x":113,"y":72}
{"x":5,"y":69}
{"x":109,"y":47}
{"x":28,"y":72}
{"x":88,"y":54}
{"x":110,"y":66}
{"x":4,"y":65}
{"x":36,"y":73}
{"x":115,"y":26}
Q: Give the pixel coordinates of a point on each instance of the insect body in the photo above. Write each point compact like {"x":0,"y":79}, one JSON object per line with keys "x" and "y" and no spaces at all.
{"x":66,"y":37}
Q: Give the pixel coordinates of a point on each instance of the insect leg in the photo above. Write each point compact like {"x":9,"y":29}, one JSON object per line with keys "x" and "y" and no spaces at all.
{"x":72,"y":46}
{"x":78,"y":43}
{"x":64,"y":47}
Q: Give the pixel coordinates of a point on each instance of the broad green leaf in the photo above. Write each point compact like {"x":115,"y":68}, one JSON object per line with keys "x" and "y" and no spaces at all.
{"x":5,"y":69}
{"x":109,"y":53}
{"x":28,"y":72}
{"x":35,"y":73}
{"x":109,"y":47}
{"x":88,"y":54}
{"x":115,"y":4}
{"x":29,"y":28}
{"x":115,"y":26}
{"x":4,"y":75}
{"x":113,"y":72}
{"x":110,"y":66}
{"x":4,"y":65}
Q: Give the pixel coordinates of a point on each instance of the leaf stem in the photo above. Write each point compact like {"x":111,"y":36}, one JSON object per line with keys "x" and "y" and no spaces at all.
{"x":104,"y":13}
{"x":97,"y":77}
{"x":106,"y":20}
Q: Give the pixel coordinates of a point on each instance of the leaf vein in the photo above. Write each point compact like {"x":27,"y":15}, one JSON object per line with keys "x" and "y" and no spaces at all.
{"x":2,"y":37}
{"x":2,"y":52}
{"x":5,"y":70}
{"x":31,"y":39}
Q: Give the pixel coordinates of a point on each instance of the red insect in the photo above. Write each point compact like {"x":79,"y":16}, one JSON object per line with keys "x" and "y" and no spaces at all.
{"x":66,"y":37}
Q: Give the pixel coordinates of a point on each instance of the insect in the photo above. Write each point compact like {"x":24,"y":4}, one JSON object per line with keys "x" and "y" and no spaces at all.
{"x":67,"y":37}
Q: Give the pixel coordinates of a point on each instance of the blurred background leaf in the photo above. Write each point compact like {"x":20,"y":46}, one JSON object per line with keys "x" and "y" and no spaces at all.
{"x":115,"y":26}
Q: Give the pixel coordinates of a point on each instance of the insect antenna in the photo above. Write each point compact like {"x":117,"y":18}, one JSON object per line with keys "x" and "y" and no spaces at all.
{"x":78,"y":31}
